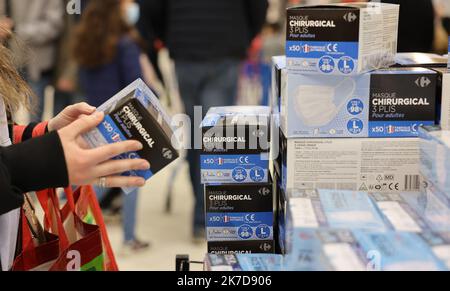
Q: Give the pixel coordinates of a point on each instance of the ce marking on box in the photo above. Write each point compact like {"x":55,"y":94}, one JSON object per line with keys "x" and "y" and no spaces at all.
{"x":386,"y":186}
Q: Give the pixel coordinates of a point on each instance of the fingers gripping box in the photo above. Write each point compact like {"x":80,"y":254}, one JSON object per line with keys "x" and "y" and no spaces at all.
{"x":341,"y":39}
{"x":135,"y":113}
{"x":236,"y":145}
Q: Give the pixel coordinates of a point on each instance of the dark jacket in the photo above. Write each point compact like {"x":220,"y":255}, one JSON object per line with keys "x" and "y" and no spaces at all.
{"x":204,"y":30}
{"x":416,"y":29}
{"x":101,"y":83}
{"x":33,"y":165}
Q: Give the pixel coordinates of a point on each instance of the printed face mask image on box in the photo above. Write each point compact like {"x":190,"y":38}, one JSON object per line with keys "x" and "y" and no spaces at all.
{"x":338,"y":39}
{"x":133,"y":114}
{"x":316,"y":104}
{"x":383,"y":103}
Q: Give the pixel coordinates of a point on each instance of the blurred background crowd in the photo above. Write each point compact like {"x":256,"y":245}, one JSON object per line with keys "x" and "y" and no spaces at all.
{"x":190,"y":52}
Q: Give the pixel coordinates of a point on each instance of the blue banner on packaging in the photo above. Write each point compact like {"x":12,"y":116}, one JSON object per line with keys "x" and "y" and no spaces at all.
{"x":317,"y":49}
{"x":238,"y":219}
{"x":112,"y":134}
{"x":229,"y":162}
{"x":396,"y":128}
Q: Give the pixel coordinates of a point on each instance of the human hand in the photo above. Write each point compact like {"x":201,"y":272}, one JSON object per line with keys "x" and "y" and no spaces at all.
{"x":65,"y":85}
{"x":69,"y":115}
{"x":95,"y":166}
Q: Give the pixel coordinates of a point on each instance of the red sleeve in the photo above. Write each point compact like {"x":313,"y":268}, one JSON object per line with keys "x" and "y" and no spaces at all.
{"x":23,"y":133}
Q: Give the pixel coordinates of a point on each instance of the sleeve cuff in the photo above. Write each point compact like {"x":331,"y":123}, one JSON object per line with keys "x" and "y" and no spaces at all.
{"x":37,"y":164}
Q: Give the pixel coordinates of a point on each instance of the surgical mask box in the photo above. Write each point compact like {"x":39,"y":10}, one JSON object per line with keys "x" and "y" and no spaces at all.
{"x":240,"y":212}
{"x":362,"y":164}
{"x":448,"y":55}
{"x":135,"y":113}
{"x":327,"y":249}
{"x":241,"y":247}
{"x":281,"y":220}
{"x":422,"y":60}
{"x":236,"y":145}
{"x":445,"y":105}
{"x":243,"y":263}
{"x":414,"y":212}
{"x":435,"y":157}
{"x":278,"y":65}
{"x":385,"y":103}
{"x":325,"y":228}
{"x":341,"y":39}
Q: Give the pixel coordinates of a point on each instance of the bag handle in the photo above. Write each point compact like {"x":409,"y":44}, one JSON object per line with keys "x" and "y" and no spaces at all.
{"x":98,"y":216}
{"x":53,"y":214}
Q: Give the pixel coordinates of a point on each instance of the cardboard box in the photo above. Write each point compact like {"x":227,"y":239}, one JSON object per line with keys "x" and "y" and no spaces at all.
{"x":414,"y":212}
{"x":239,"y":212}
{"x":374,"y":165}
{"x":342,"y":230}
{"x":236,"y":145}
{"x":346,"y":39}
{"x":448,"y":55}
{"x":435,"y":157}
{"x":136,"y":114}
{"x":241,"y":247}
{"x":385,"y":103}
{"x":445,"y":105}
{"x":278,"y":65}
{"x":422,"y":60}
{"x":243,"y":262}
{"x":361,"y":250}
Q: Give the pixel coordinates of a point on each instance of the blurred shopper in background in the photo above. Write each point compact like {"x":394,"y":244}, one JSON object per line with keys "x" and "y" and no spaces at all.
{"x":66,"y":76}
{"x":107,"y":49}
{"x":38,"y":24}
{"x":417,"y":27}
{"x":207,"y":40}
{"x":443,"y":10}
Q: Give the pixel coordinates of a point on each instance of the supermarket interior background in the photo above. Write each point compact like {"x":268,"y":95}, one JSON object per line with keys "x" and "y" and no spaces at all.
{"x":149,"y":228}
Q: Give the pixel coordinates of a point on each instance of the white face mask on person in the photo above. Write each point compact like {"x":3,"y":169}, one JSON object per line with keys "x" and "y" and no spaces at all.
{"x":316,"y":105}
{"x":132,"y":13}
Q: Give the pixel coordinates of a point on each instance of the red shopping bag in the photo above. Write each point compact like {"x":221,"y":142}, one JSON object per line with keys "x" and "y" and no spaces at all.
{"x":88,"y":209}
{"x":80,"y":243}
{"x":35,"y":257}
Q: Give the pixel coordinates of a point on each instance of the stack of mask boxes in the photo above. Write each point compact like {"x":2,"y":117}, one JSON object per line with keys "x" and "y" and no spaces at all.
{"x":435,"y":161}
{"x":239,"y":200}
{"x":347,"y":121}
{"x":356,"y":231}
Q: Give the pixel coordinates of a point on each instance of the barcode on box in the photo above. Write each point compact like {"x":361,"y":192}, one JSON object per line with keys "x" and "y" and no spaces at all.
{"x":412,"y":182}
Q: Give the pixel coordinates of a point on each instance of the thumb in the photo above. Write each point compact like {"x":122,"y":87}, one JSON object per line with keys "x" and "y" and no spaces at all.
{"x":86,"y":124}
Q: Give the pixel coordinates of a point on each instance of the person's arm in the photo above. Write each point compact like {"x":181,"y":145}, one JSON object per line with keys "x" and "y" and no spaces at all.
{"x":31,"y":166}
{"x":23,"y":133}
{"x":46,"y":29}
{"x":154,"y":19}
{"x":256,"y":13}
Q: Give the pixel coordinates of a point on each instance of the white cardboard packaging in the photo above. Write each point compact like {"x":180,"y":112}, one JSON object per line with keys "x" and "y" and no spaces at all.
{"x":445,"y":109}
{"x":374,"y":165}
{"x":381,"y":104}
{"x":343,"y":39}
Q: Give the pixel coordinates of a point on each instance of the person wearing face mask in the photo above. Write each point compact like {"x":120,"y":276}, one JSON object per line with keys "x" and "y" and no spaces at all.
{"x":107,"y":49}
